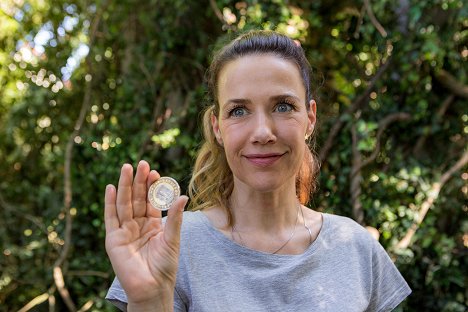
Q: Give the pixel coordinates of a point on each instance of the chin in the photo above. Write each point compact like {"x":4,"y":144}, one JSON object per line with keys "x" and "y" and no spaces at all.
{"x":267,"y":183}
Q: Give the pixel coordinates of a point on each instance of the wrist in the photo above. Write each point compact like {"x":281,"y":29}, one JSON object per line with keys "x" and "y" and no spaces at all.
{"x":160,"y":304}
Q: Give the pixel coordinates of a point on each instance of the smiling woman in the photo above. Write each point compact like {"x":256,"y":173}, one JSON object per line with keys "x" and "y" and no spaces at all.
{"x":250,"y":244}
{"x":262,"y":122}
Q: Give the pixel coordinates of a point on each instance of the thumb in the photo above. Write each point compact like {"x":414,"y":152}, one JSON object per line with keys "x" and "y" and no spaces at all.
{"x":174,"y":221}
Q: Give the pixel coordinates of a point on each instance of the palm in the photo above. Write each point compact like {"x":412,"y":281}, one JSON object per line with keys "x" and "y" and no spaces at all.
{"x":143,"y":256}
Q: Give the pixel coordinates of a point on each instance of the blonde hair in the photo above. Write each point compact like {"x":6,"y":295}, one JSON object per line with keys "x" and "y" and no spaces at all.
{"x":212,"y":180}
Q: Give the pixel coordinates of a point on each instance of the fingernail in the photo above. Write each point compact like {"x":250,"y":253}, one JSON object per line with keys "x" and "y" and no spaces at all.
{"x":183,"y":206}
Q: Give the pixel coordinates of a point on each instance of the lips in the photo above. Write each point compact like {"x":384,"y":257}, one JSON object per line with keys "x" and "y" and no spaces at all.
{"x":263,"y":160}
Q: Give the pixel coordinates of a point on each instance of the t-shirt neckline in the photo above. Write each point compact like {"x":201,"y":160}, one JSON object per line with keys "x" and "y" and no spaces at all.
{"x":239,"y":249}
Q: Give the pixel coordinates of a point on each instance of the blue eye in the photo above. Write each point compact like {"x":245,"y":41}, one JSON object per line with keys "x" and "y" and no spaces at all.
{"x":237,"y":112}
{"x":284,"y":108}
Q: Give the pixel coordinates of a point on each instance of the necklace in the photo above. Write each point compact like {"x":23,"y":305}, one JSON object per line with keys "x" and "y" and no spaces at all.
{"x":307,"y":228}
{"x":233,"y":229}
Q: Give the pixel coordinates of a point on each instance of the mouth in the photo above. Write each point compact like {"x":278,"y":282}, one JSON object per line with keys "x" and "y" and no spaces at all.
{"x":263,"y":160}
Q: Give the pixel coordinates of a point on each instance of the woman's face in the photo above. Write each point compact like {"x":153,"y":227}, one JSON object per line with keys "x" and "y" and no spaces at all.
{"x":263,"y":120}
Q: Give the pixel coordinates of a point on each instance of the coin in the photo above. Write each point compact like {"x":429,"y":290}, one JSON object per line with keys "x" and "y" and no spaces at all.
{"x":163,"y":193}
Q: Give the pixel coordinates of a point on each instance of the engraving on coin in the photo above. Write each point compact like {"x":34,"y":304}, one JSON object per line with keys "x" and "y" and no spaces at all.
{"x":163,"y":193}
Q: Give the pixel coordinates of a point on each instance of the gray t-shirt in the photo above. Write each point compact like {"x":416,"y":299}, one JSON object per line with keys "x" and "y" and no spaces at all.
{"x":344,"y":269}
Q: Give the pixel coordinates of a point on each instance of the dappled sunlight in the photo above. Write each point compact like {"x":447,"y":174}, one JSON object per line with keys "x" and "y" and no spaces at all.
{"x":88,"y":86}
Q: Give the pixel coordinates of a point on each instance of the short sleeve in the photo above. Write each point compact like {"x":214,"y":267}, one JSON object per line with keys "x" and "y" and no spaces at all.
{"x":389,"y":288}
{"x":117,"y":296}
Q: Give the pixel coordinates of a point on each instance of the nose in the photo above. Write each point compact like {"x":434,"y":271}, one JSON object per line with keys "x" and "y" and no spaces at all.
{"x":263,"y":129}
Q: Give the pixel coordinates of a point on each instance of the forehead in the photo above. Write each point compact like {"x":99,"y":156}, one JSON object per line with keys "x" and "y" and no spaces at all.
{"x":258,"y":75}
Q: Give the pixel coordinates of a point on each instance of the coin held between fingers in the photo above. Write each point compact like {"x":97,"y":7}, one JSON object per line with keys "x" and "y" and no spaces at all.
{"x":163,"y":193}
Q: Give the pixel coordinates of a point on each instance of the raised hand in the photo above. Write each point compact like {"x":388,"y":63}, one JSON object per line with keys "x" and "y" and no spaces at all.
{"x":144,"y":253}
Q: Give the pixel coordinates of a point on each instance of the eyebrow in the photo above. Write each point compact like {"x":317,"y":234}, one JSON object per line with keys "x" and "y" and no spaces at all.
{"x":272,"y":98}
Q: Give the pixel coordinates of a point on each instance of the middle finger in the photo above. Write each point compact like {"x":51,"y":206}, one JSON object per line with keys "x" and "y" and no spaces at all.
{"x":139,"y":189}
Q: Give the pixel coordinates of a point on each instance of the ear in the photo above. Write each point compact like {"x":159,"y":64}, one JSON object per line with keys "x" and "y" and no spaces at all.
{"x":215,"y":127}
{"x":312,"y":117}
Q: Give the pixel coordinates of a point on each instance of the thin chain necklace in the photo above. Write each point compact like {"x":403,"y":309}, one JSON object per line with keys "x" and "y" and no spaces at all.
{"x":233,"y":229}
{"x":307,"y":228}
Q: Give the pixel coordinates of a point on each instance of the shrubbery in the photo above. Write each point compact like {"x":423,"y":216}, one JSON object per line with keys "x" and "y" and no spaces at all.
{"x":86,"y":86}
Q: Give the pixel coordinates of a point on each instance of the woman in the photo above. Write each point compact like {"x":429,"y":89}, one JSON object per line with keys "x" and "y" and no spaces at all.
{"x":250,"y":244}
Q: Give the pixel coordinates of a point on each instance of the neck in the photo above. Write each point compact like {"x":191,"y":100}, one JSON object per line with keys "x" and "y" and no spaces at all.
{"x":263,"y":211}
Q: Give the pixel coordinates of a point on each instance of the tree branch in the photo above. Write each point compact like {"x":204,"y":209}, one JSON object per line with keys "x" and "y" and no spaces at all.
{"x":51,"y":302}
{"x":220,"y":15}
{"x":374,"y":20}
{"x":217,"y":11}
{"x":432,"y":197}
{"x":89,"y":273}
{"x":383,"y":125}
{"x":37,"y":300}
{"x":34,"y":302}
{"x":63,"y":291}
{"x":157,"y":107}
{"x":356,"y":178}
{"x":440,"y":113}
{"x":451,"y":83}
{"x":357,"y":104}
{"x":359,"y":22}
{"x":86,"y":306}
{"x":68,"y":193}
{"x":22,"y":214}
{"x":358,"y":164}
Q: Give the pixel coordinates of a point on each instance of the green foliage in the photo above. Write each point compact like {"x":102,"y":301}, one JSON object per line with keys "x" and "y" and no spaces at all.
{"x":137,"y":68}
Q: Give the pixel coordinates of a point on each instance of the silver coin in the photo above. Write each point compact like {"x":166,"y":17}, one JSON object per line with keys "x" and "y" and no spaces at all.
{"x":163,"y":193}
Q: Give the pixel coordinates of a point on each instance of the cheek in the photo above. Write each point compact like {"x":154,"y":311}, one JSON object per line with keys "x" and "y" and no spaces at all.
{"x":232,"y":134}
{"x":230,"y":143}
{"x":294,"y":133}
{"x":231,"y":146}
{"x":296,"y":141}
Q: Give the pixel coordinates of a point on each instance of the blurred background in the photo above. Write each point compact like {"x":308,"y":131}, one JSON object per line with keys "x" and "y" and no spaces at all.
{"x":88,"y":85}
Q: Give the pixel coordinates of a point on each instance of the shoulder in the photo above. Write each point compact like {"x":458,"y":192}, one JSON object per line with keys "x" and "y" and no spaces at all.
{"x":344,"y":226}
{"x":194,"y":226}
{"x":190,"y":218}
{"x":193,"y":219}
{"x":343,"y":230}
